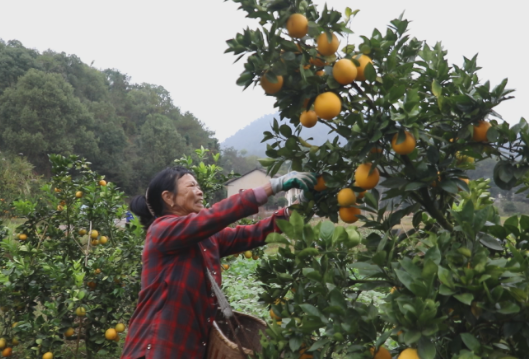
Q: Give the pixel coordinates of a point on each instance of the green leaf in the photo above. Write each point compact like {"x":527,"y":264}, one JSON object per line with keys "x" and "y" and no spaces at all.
{"x":488,"y":241}
{"x":508,"y":308}
{"x":326,"y":231}
{"x":310,"y":310}
{"x":286,"y":227}
{"x":445,"y":277}
{"x":411,"y":336}
{"x":426,"y":349}
{"x":465,"y":298}
{"x":470,"y":341}
{"x":276,"y":238}
{"x":437,"y":90}
{"x":370,"y":72}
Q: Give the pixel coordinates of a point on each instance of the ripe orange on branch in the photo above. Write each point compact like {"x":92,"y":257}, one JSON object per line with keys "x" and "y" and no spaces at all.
{"x":349,"y":214}
{"x":409,"y":353}
{"x":269,"y":87}
{"x":111,"y":334}
{"x":325,"y":47}
{"x":320,"y":184}
{"x":405,"y":147}
{"x":346,"y":197}
{"x":480,"y":131}
{"x":382,"y":353}
{"x":328,"y":105}
{"x":344,"y":71}
{"x":48,"y":355}
{"x":364,"y":179}
{"x":297,"y":25}
{"x":308,"y":118}
{"x":22,"y":237}
{"x":363,"y":60}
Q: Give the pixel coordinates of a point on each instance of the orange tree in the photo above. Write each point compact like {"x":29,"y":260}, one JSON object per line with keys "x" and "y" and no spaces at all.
{"x":69,"y":275}
{"x":454,"y":282}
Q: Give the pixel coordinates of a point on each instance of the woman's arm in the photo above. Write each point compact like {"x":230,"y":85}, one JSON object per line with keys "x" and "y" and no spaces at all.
{"x":171,"y":233}
{"x":243,"y":238}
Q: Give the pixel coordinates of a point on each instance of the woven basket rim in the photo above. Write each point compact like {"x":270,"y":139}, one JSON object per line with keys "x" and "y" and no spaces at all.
{"x":219,"y":334}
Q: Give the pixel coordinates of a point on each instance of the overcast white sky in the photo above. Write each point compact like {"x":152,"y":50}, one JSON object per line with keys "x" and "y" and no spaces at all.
{"x":179,"y":44}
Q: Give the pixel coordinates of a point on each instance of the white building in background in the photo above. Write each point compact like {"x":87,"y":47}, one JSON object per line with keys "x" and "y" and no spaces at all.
{"x":255,"y":178}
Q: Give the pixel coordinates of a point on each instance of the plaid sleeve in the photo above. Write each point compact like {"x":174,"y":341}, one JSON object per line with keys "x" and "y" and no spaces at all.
{"x":243,"y":238}
{"x":172,"y":233}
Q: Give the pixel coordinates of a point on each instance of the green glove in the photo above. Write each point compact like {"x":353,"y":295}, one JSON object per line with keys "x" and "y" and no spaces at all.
{"x":301,"y":180}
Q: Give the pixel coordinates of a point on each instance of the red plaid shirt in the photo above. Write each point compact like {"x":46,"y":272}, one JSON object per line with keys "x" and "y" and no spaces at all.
{"x":176,"y":306}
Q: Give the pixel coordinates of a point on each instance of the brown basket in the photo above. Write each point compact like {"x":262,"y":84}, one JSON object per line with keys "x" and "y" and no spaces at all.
{"x":221,"y":342}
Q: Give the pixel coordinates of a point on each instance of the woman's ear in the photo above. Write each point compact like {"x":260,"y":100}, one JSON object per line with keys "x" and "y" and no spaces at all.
{"x":169,"y":199}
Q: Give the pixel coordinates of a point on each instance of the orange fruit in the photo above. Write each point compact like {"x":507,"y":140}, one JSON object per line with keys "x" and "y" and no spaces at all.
{"x":316,"y":61}
{"x":69,"y":332}
{"x":320,"y":184}
{"x":103,"y":240}
{"x":480,"y":131}
{"x":349,"y":214}
{"x":405,"y":147}
{"x":308,"y":118}
{"x":57,"y":190}
{"x":3,"y":343}
{"x":346,"y":197}
{"x":226,"y":266}
{"x":82,"y":232}
{"x":274,"y":316}
{"x":97,"y":271}
{"x":7,"y":352}
{"x":248,"y":254}
{"x":297,"y":26}
{"x":344,"y":71}
{"x":94,"y":234}
{"x":305,"y":355}
{"x":80,"y":312}
{"x":271,"y":88}
{"x":48,"y":355}
{"x":22,"y":237}
{"x":365,"y":180}
{"x":95,"y":242}
{"x":102,"y":183}
{"x":78,"y":194}
{"x":376,"y":149}
{"x":320,"y":73}
{"x":325,"y":47}
{"x":111,"y":334}
{"x":409,"y":353}
{"x":120,"y":327}
{"x":361,"y":195}
{"x":92,"y":285}
{"x":255,"y":257}
{"x":363,"y":60}
{"x":382,"y":353}
{"x":328,"y":105}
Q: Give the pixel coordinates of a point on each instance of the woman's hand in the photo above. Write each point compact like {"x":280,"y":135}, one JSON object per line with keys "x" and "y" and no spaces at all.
{"x":301,"y":180}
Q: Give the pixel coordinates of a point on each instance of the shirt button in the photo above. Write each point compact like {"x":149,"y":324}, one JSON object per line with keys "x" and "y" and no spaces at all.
{"x":214,"y":272}
{"x":149,"y":346}
{"x":204,"y":343}
{"x":204,"y":249}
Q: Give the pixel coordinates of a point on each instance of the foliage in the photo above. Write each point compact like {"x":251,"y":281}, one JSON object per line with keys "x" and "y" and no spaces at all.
{"x":455,"y":284}
{"x":210,"y":177}
{"x":17,"y":181}
{"x":57,"y":268}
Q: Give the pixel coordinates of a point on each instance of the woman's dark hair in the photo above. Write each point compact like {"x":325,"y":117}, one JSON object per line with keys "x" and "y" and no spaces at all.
{"x":151,"y":205}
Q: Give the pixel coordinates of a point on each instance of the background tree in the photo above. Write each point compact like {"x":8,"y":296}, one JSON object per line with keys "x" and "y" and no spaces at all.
{"x":40,"y":115}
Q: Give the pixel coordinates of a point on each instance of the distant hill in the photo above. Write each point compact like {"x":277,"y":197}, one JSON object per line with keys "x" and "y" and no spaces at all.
{"x":249,"y":138}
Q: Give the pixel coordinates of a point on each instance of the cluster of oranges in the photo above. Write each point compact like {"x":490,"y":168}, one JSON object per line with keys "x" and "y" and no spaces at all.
{"x":327,"y":105}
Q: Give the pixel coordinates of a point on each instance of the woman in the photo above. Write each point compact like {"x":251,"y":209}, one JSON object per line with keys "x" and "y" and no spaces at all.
{"x":176,"y":306}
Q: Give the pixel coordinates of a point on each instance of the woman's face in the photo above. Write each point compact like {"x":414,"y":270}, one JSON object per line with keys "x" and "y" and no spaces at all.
{"x":189,"y":198}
